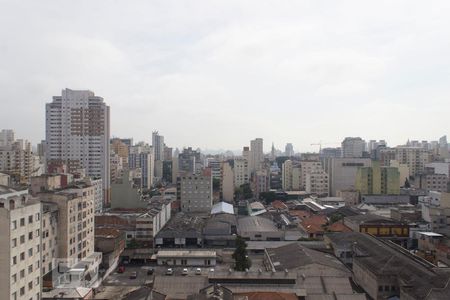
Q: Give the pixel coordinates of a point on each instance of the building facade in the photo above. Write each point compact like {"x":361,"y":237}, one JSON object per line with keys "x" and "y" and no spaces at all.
{"x":77,"y":134}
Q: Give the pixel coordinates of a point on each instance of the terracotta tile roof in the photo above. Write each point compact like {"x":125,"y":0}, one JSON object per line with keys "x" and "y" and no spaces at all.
{"x":107,"y":232}
{"x":279,"y":204}
{"x":314,"y":224}
{"x":300,"y":213}
{"x":338,"y":227}
{"x":268,"y":296}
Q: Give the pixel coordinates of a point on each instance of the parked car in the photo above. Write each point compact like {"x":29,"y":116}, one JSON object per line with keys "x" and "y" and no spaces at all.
{"x":121,"y":269}
{"x":198,"y":271}
{"x":150,"y":271}
{"x":169,"y":271}
{"x":133,"y":275}
{"x":184,"y":272}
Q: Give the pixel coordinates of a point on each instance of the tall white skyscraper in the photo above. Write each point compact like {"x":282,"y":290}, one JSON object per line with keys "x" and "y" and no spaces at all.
{"x":77,"y":134}
{"x":256,"y":154}
{"x":158,"y":145}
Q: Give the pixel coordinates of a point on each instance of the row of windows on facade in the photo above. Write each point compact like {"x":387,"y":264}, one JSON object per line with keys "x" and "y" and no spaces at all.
{"x":22,"y":220}
{"x":22,"y":290}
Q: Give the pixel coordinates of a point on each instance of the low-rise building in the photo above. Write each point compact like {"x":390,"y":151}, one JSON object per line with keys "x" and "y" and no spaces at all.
{"x":189,"y":258}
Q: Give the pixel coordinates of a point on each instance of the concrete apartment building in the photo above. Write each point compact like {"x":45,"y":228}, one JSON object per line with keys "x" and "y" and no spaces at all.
{"x":188,"y":161}
{"x":307,"y":167}
{"x":142,"y":157}
{"x":49,"y":236}
{"x":75,"y":236}
{"x":20,"y":245}
{"x":241,"y":172}
{"x":342,"y":172}
{"x":256,"y":154}
{"x":17,"y":158}
{"x":414,"y":157}
{"x":121,"y":149}
{"x":77,"y":134}
{"x":195,"y":193}
{"x":227,"y":182}
{"x":353,"y":147}
{"x":431,"y":182}
{"x":286,"y":175}
{"x":376,"y":180}
{"x":261,"y":182}
{"x":317,"y":183}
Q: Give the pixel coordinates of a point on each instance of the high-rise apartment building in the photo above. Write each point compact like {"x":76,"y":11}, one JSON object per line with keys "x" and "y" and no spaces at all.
{"x":6,"y":137}
{"x":414,"y":157}
{"x":443,"y":147}
{"x":316,"y":182}
{"x":353,"y":147}
{"x":241,"y":171}
{"x":158,"y":145}
{"x":256,"y":154}
{"x":376,"y":180}
{"x":289,"y":150}
{"x":142,"y":156}
{"x":286,"y":175}
{"x":188,"y":161}
{"x":77,"y":134}
{"x":20,"y":245}
{"x":227,"y":182}
{"x":17,"y":158}
{"x":195,"y":193}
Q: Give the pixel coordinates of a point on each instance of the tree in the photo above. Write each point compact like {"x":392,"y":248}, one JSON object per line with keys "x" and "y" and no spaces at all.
{"x":243,"y":192}
{"x":240,"y":256}
{"x":335,"y":217}
{"x":268,"y":197}
{"x":407,"y":184}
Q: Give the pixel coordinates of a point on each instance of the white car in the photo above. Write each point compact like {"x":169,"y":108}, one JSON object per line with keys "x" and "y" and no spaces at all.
{"x":169,"y":271}
{"x":198,"y":271}
{"x":184,"y":272}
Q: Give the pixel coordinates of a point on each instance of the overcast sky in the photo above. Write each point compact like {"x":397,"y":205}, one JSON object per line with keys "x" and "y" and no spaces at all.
{"x":215,"y":74}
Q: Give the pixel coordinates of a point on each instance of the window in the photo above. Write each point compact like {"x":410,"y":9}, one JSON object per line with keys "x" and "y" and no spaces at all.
{"x":14,"y":225}
{"x":22,"y":222}
{"x":30,"y":219}
{"x":30,"y":252}
{"x":22,"y":291}
{"x":14,"y":243}
{"x":30,"y":235}
{"x":22,"y":273}
{"x":30,"y":269}
{"x":14,"y":278}
{"x":22,"y":256}
{"x":14,"y":260}
{"x":22,"y":239}
{"x":30,"y":285}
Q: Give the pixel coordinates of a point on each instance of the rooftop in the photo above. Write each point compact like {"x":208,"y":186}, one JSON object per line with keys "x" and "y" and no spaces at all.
{"x":256,"y":223}
{"x":296,"y":256}
{"x":186,"y":253}
{"x":386,"y":258}
{"x":222,"y":208}
{"x":183,"y":225}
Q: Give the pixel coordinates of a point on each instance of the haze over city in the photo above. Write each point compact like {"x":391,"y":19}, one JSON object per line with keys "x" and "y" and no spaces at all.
{"x":215,"y":74}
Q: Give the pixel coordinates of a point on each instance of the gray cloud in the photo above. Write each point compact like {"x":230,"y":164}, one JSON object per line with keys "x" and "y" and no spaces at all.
{"x":216,"y":74}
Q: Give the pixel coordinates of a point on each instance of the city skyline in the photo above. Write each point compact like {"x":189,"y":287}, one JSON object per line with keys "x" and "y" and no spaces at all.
{"x":223,"y":74}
